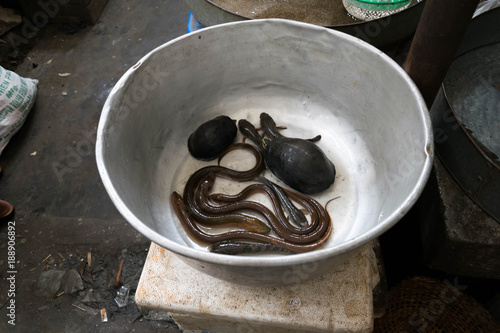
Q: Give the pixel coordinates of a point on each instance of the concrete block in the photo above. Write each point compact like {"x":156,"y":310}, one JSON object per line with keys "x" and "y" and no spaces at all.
{"x":340,"y":301}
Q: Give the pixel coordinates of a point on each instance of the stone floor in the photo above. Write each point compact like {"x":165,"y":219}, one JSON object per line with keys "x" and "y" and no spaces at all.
{"x":50,"y":173}
{"x":64,"y":218}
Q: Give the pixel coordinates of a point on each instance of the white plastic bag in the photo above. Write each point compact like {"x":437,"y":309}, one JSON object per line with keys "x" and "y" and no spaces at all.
{"x":485,"y":6}
{"x":17,"y":96}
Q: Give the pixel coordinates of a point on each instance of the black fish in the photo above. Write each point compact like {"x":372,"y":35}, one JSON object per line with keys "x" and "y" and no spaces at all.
{"x":211,"y":138}
{"x":299,"y":163}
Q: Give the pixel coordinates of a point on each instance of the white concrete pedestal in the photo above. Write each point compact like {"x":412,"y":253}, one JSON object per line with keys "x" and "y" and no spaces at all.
{"x":339,"y":301}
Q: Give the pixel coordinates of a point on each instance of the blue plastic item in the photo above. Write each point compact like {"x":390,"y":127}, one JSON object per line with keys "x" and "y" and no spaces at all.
{"x":193,"y":24}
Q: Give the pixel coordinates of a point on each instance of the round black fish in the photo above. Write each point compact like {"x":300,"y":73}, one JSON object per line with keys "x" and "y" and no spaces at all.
{"x":211,"y":138}
{"x":299,"y":163}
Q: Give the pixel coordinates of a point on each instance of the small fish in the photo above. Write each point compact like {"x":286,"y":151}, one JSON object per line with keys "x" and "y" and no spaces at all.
{"x":234,"y":247}
{"x":295,"y":215}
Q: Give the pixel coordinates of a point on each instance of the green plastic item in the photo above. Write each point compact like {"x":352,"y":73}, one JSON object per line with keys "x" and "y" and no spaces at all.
{"x":379,"y":4}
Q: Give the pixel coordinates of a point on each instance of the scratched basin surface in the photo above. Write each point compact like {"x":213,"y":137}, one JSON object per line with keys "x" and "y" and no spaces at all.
{"x":372,"y":119}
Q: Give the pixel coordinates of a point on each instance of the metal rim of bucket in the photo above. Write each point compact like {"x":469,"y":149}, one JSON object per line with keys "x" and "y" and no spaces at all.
{"x":242,"y":17}
{"x":280,"y":261}
{"x":378,"y":32}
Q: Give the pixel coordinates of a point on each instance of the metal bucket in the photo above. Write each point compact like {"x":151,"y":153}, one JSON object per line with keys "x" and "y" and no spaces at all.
{"x":373,"y":122}
{"x":327,"y":13}
{"x":466,"y":114}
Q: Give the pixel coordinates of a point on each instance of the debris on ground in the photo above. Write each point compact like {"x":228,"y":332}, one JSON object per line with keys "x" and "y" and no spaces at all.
{"x":71,"y":282}
{"x":100,"y":285}
{"x":155,"y":315}
{"x":122,"y":296}
{"x":104,"y":316}
{"x":49,"y":283}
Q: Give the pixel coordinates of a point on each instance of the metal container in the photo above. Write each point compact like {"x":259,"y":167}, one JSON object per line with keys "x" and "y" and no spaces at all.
{"x":373,"y":122}
{"x":465,"y":114}
{"x":330,"y":14}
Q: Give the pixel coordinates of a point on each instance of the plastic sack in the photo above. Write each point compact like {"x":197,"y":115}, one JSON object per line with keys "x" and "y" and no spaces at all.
{"x":17,"y":96}
{"x":484,"y":6}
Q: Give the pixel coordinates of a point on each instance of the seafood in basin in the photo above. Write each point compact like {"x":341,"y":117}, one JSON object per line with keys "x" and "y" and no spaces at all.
{"x":211,"y":138}
{"x":299,"y":163}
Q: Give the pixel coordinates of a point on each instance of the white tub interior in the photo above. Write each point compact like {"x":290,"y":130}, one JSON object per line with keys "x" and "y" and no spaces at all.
{"x":371,"y":118}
